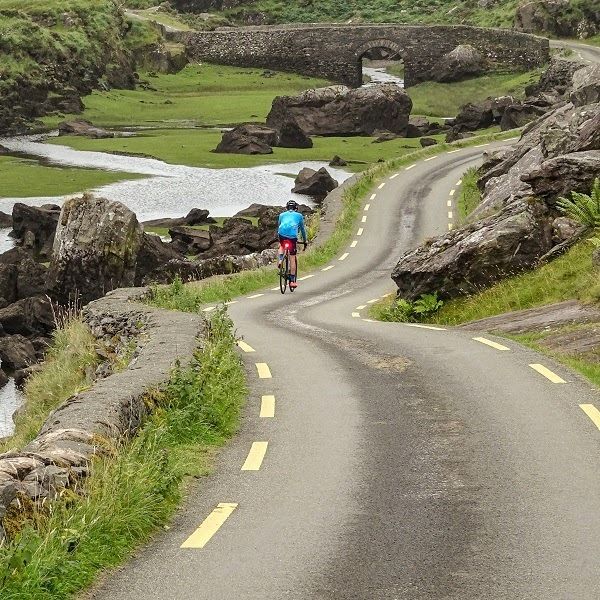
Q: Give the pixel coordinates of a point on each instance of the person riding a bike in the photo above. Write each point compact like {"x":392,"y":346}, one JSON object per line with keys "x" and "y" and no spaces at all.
{"x":290,"y":222}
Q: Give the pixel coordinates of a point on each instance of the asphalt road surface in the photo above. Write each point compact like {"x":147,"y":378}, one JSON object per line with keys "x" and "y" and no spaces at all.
{"x":386,"y":461}
{"x":583,"y":52}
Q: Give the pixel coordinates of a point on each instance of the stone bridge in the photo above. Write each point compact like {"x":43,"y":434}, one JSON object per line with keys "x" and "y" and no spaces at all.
{"x":335,"y":52}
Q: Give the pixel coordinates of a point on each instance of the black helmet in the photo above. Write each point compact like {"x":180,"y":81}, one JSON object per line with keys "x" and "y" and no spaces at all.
{"x":292,"y":205}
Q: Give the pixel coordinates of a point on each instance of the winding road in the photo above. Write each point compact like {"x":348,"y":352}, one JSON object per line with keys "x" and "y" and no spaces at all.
{"x":387,"y":461}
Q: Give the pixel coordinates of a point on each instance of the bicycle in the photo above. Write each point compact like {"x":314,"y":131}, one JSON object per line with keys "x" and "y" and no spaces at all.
{"x":284,"y":268}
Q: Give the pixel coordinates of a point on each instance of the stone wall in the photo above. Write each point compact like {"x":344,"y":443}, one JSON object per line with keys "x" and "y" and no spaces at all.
{"x":335,"y":51}
{"x":96,"y":420}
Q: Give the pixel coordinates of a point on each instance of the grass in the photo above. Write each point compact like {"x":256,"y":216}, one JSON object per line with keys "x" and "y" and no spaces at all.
{"x":569,"y":277}
{"x":445,"y":99}
{"x":22,"y":178}
{"x":135,"y":490}
{"x":470,"y":195}
{"x":62,"y":375}
{"x":192,"y":296}
{"x":200,"y":95}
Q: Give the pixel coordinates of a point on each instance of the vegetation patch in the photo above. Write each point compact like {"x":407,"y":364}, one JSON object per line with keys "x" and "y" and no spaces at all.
{"x":470,"y":195}
{"x":23,"y":178}
{"x":135,"y":490}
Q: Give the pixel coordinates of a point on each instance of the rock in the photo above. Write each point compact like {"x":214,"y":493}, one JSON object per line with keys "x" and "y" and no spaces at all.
{"x":30,"y":316}
{"x":47,"y":481}
{"x":67,"y":102}
{"x":241,"y":141}
{"x":337,"y":161}
{"x":240,"y":237}
{"x":383,"y":136}
{"x":575,"y":172}
{"x":586,"y":86}
{"x":462,"y":62}
{"x":3,"y":379}
{"x":22,"y":375}
{"x":20,"y":276}
{"x":198,"y":216}
{"x":292,"y":136}
{"x":520,"y":114}
{"x":34,"y":227}
{"x":558,"y":18}
{"x":95,"y":249}
{"x":466,"y":260}
{"x":338,"y":110}
{"x":5,"y":220}
{"x":454,"y":136}
{"x":16,"y":352}
{"x":474,"y":116}
{"x":314,"y":183}
{"x":268,"y":216}
{"x":83,"y":128}
{"x":190,"y":241}
{"x":426,"y":142}
{"x":4,"y":150}
{"x":564,"y":229}
{"x":417,"y":127}
{"x":557,"y":78}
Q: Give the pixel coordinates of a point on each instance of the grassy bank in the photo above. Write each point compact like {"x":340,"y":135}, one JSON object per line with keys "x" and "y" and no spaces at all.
{"x":134,"y":491}
{"x":62,"y":375}
{"x":470,"y":195}
{"x":23,"y":178}
{"x":192,"y":296}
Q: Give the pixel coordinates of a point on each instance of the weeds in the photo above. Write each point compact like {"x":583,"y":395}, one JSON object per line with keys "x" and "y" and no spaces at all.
{"x":136,"y":489}
{"x":403,"y":311}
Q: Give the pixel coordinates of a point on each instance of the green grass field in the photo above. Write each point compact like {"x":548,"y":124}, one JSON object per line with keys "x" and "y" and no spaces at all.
{"x":22,"y":178}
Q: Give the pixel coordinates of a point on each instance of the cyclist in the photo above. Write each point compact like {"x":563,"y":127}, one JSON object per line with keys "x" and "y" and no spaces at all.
{"x":290,"y":222}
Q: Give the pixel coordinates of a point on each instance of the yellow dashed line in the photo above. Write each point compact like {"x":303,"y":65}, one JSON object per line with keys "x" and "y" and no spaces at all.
{"x":547,"y":373}
{"x":430,"y":158}
{"x":328,"y":268}
{"x":491,"y":343}
{"x":364,"y":219}
{"x":275,"y":289}
{"x":373,"y":301}
{"x":305,"y":277}
{"x":360,"y":231}
{"x":210,"y":526}
{"x":459,"y":182}
{"x":450,"y":226}
{"x":361,"y":307}
{"x":452,"y":192}
{"x":344,"y":256}
{"x":263,"y":370}
{"x":367,"y":207}
{"x":356,"y":315}
{"x":482,"y":145}
{"x":449,"y":203}
{"x":369,"y":321}
{"x":209,"y":309}
{"x":255,"y":456}
{"x":394,"y":176}
{"x":255,"y":296}
{"x":245,"y":347}
{"x":411,"y":167}
{"x":450,"y":214}
{"x":592,"y":412}
{"x":231,"y":302}
{"x":381,"y":186}
{"x":354,"y":244}
{"x":373,"y":196}
{"x":454,"y":151}
{"x":267,"y":407}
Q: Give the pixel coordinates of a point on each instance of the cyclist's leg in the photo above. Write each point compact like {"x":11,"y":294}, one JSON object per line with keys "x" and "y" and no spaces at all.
{"x":294,"y":261}
{"x":280,"y":253}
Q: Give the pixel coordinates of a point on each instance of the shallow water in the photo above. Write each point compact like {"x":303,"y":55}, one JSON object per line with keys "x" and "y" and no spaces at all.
{"x":6,"y":243}
{"x":379,"y":75}
{"x":10,"y":400}
{"x":171,"y":190}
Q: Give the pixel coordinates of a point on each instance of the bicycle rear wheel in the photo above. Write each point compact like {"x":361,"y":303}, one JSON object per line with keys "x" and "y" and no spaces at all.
{"x":284,"y":273}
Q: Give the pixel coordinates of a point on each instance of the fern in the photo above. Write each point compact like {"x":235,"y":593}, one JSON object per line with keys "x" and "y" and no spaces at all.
{"x":583,"y":208}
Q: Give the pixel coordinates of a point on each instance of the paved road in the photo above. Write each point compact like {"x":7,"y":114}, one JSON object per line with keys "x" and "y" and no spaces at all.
{"x":583,"y":52}
{"x":401,"y":462}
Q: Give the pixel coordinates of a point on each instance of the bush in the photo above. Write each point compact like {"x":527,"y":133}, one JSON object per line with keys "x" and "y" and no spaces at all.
{"x":583,"y":208}
{"x":404,"y":311}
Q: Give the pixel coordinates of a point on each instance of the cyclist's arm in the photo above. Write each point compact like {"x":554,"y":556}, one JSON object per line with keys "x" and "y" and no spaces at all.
{"x":303,"y":231}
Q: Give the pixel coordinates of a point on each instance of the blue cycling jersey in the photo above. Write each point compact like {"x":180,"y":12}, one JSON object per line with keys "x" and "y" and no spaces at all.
{"x":289,"y":223}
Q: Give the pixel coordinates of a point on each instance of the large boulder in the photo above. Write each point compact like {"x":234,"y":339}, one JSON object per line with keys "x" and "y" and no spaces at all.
{"x":557,"y":78}
{"x":586,"y":86}
{"x":292,"y":136}
{"x":338,"y":110}
{"x":558,"y":17}
{"x":239,"y":237}
{"x":196,"y":216}
{"x":20,"y":276}
{"x":462,"y":62}
{"x":16,"y":352}
{"x":29,"y":317}
{"x":575,"y":172}
{"x":520,"y":114}
{"x":83,"y":128}
{"x":314,"y":183}
{"x":465,"y":260}
{"x":5,"y":220}
{"x":188,"y":240}
{"x":248,"y":139}
{"x":95,"y":249}
{"x":474,"y":116}
{"x":153,"y":255}
{"x":34,"y":227}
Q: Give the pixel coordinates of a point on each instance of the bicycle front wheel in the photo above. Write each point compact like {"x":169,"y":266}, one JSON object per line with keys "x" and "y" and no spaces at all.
{"x":284,"y":273}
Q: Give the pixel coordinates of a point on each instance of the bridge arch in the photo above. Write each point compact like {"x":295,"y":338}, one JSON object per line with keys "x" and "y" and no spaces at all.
{"x":396,"y":51}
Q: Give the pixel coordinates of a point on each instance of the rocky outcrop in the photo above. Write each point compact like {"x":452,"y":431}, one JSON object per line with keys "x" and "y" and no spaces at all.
{"x":469,"y":259}
{"x":520,"y":114}
{"x":187,"y":240}
{"x":96,"y":421}
{"x":20,"y":276}
{"x":292,"y":136}
{"x":241,"y":141}
{"x":34,"y":227}
{"x":95,"y":249}
{"x":5,"y":220}
{"x":557,"y":78}
{"x":31,"y":317}
{"x":196,"y":216}
{"x":517,"y":224}
{"x":83,"y":128}
{"x":314,"y":183}
{"x":462,"y":62}
{"x":338,"y":110}
{"x":558,"y":17}
{"x":17,"y":352}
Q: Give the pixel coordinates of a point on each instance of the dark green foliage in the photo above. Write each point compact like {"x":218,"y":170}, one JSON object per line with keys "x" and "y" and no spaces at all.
{"x":583,"y":208}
